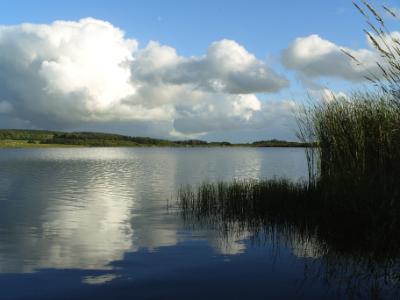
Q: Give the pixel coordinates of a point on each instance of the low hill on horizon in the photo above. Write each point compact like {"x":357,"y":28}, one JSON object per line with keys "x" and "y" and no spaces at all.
{"x":101,"y":139}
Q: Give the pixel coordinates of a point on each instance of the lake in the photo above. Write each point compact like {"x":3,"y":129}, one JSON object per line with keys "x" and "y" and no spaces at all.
{"x":101,"y":223}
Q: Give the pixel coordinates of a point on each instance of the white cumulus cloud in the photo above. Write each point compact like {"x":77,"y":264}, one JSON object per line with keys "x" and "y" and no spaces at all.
{"x":314,"y":57}
{"x":73,"y":74}
{"x":227,"y":67}
{"x":64,"y":72}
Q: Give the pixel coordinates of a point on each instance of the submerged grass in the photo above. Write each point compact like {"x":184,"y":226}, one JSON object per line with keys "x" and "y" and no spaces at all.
{"x":357,"y":246}
{"x":249,"y":199}
{"x":346,"y":219}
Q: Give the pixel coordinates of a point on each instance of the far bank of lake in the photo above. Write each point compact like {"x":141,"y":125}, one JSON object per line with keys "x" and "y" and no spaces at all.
{"x":20,"y":138}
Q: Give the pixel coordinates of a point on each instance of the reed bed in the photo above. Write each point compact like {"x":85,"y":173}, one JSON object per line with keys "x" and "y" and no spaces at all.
{"x":358,"y":136}
{"x":350,"y":206}
{"x":354,"y":193}
{"x":357,"y":250}
{"x":358,"y":142}
{"x":347,"y":218}
{"x":247,"y":198}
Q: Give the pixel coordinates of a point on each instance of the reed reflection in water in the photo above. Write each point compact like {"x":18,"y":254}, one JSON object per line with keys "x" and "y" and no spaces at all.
{"x":353,"y":259}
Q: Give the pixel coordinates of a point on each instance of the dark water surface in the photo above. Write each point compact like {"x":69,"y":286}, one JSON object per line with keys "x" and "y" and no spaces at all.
{"x":100,"y":223}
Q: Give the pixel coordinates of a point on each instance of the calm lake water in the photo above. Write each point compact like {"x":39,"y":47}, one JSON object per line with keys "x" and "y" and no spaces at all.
{"x":100,"y":223}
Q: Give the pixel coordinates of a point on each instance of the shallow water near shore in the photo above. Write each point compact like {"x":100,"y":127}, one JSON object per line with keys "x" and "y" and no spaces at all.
{"x":100,"y":223}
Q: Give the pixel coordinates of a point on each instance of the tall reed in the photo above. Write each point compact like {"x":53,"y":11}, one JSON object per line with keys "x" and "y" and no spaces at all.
{"x":358,"y":137}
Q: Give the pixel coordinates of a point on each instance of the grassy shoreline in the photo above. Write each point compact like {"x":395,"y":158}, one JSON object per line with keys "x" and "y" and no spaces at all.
{"x":20,"y":144}
{"x":19,"y":138}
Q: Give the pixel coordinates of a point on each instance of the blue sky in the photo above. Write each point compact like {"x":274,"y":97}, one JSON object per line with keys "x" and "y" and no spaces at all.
{"x":263,"y":28}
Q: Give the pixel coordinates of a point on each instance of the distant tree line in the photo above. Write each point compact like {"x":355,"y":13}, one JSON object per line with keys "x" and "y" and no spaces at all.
{"x":98,"y":139}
